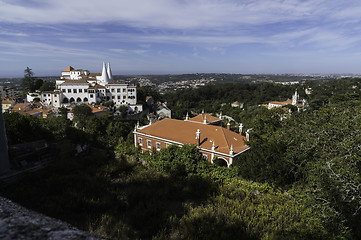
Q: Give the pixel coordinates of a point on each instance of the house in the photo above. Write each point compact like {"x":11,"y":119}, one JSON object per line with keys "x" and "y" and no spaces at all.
{"x":31,"y":109}
{"x":295,"y":101}
{"x":7,"y":103}
{"x":213,"y":141}
{"x":237,"y":104}
{"x":81,"y":86}
{"x":162,"y":111}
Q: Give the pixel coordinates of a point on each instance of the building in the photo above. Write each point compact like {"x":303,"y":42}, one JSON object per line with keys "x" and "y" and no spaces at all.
{"x":295,"y":101}
{"x":81,"y":86}
{"x":213,"y":141}
{"x":162,"y":111}
{"x":7,"y":104}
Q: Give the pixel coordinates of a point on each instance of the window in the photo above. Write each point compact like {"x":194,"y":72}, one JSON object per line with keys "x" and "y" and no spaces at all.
{"x":63,"y":90}
{"x":112,"y":97}
{"x":149,"y":143}
{"x":158,"y":146}
{"x":118,"y":90}
{"x":112,"y":89}
{"x":55,"y":95}
{"x":69,"y":90}
{"x":85,"y":90}
{"x":48,"y":95}
{"x":140,"y":141}
{"x":124,"y":90}
{"x":118,"y":97}
{"x":91,"y":95}
{"x":44,"y":95}
{"x":74,"y":91}
{"x":80,"y":90}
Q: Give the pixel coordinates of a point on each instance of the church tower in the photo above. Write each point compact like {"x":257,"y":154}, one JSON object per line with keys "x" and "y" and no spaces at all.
{"x":295,"y":98}
{"x":109,"y":71}
{"x":105,"y":78}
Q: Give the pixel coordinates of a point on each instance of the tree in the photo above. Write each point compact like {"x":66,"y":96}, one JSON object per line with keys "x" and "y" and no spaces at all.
{"x":47,"y":86}
{"x":28,"y":80}
{"x":82,"y":114}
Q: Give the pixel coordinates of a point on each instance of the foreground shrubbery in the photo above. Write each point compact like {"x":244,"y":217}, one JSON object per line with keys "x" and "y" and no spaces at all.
{"x":176,"y":195}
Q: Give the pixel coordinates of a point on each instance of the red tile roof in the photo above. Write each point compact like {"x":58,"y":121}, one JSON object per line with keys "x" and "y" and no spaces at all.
{"x":185,"y":132}
{"x":200,"y":118}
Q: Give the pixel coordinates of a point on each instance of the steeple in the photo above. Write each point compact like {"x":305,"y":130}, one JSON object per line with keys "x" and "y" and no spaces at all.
{"x":105,"y":77}
{"x":295,"y":98}
{"x":109,"y":71}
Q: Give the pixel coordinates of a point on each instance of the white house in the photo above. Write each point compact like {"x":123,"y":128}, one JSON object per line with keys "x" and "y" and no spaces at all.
{"x":81,"y":86}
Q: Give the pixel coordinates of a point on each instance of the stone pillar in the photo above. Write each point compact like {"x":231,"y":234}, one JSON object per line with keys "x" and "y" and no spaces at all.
{"x":4,"y":157}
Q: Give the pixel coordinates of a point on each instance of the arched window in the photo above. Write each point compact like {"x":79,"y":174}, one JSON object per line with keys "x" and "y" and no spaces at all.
{"x":78,"y":99}
{"x":65,"y":100}
{"x":72,"y":100}
{"x":85,"y":99}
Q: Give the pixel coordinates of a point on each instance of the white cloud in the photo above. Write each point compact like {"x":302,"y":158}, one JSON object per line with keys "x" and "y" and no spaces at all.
{"x":171,"y":14}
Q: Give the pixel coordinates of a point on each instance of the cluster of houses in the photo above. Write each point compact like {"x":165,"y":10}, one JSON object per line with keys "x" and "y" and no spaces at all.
{"x":77,"y":86}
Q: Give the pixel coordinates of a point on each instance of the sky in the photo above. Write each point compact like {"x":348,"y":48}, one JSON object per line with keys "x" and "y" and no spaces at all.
{"x":180,"y":36}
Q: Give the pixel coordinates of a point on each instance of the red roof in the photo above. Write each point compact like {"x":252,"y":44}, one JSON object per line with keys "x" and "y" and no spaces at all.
{"x":200,"y":118}
{"x":185,"y":132}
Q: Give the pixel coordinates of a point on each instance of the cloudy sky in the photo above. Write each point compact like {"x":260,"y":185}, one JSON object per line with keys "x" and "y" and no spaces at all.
{"x":180,"y":36}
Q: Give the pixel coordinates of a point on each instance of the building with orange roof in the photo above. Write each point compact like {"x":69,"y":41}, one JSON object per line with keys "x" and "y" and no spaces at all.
{"x":28,"y":109}
{"x":295,"y":101}
{"x":213,"y":141}
{"x":7,"y":104}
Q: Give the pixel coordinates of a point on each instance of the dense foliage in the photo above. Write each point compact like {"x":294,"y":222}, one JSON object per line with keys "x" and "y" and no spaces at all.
{"x":300,"y":180}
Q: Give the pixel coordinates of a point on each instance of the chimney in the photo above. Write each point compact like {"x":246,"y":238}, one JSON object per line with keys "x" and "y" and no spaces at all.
{"x":198,"y":137}
{"x":187,"y":117}
{"x":240,"y":128}
{"x":228,"y":126}
{"x":247,"y":134}
{"x":205,"y":119}
{"x":231,"y":150}
{"x":220,"y":116}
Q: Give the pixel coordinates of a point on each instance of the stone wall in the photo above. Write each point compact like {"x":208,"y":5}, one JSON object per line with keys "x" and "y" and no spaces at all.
{"x":17,"y":222}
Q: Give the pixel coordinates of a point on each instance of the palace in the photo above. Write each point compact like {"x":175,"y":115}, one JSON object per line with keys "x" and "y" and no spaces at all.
{"x":204,"y":130}
{"x":295,"y":101}
{"x":81,"y":86}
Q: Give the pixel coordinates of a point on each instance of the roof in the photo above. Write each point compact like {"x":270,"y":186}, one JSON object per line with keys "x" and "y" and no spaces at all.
{"x":74,"y":82}
{"x":185,"y":132}
{"x":27,"y":108}
{"x":8,"y":101}
{"x":289,"y":101}
{"x":200,"y":118}
{"x":68,"y":69}
{"x":96,"y":86}
{"x":98,"y":108}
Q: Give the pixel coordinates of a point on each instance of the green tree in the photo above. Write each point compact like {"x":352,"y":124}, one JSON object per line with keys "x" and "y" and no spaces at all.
{"x":47,"y":86}
{"x":82,"y":113}
{"x":28,"y":80}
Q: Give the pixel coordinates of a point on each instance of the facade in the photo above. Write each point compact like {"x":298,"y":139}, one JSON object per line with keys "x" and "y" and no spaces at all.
{"x":295,"y":101}
{"x":81,"y":86}
{"x":213,"y":141}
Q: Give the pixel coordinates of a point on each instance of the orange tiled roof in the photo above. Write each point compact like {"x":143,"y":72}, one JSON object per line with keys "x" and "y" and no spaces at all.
{"x":68,"y":69}
{"x":185,"y":132}
{"x":200,"y":118}
{"x":289,"y":101}
{"x":8,"y":101}
{"x":98,"y":108}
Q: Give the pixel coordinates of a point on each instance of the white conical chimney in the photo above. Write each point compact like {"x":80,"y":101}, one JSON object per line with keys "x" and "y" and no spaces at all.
{"x":105,"y":77}
{"x":109,"y":71}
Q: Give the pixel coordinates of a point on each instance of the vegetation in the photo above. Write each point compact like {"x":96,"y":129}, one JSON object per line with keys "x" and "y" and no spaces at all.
{"x":300,"y":180}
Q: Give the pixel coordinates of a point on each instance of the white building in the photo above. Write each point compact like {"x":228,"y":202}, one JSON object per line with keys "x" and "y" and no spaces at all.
{"x":81,"y":86}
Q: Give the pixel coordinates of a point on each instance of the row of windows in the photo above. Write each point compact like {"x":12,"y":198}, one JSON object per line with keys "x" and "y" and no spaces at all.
{"x":118,"y":90}
{"x":149,"y":143}
{"x":55,"y":95}
{"x":75,"y":90}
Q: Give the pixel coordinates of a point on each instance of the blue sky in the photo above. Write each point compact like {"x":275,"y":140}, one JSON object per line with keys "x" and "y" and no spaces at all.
{"x":180,"y":36}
